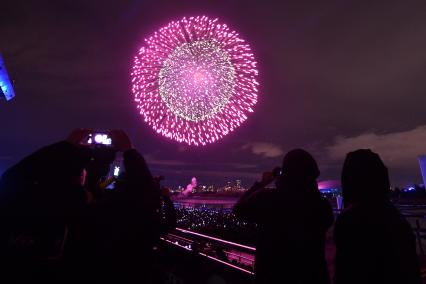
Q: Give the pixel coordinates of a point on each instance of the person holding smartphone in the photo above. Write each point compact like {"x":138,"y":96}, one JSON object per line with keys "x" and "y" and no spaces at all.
{"x":292,"y":219}
{"x":125,"y":224}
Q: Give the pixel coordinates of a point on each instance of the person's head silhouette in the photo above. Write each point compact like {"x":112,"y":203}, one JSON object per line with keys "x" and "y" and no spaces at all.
{"x":364,"y":178}
{"x":299,"y":168}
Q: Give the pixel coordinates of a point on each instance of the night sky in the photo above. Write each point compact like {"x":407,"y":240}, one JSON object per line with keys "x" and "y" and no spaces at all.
{"x":334,"y":76}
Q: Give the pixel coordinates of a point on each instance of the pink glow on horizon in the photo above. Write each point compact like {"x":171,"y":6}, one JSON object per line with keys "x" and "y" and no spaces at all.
{"x":328,"y":184}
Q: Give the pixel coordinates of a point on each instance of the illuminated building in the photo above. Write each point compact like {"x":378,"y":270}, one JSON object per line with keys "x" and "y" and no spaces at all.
{"x":422,"y":163}
{"x":6,"y":89}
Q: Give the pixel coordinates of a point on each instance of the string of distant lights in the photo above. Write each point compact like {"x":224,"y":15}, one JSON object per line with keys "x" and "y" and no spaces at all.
{"x":194,"y":80}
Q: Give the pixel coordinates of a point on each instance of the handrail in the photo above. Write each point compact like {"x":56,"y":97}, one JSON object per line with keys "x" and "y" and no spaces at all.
{"x":180,"y":237}
{"x":226,"y":263}
{"x":216,"y":239}
{"x":239,"y":256}
{"x":188,"y":248}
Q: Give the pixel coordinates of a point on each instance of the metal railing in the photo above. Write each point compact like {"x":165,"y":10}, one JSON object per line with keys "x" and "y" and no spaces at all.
{"x":231,"y":254}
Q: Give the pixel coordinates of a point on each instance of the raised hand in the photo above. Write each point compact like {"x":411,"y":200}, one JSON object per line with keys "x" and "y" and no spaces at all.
{"x":120,"y":140}
{"x":77,"y":135}
{"x":267,"y":178}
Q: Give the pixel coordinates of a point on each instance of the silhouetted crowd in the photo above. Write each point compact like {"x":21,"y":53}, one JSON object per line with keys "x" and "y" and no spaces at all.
{"x":60,"y":223}
{"x":374,"y":242}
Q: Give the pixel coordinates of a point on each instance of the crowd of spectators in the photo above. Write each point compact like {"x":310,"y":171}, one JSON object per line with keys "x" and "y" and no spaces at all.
{"x":61,"y":225}
{"x":221,"y":223}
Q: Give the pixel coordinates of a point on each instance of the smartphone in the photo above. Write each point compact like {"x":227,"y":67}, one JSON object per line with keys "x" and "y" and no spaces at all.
{"x":116,"y":171}
{"x":99,"y":138}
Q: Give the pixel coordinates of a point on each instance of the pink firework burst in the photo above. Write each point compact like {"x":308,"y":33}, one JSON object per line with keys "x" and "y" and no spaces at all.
{"x":194,"y":80}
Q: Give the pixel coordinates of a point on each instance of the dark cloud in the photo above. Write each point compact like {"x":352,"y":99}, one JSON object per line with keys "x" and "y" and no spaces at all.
{"x":178,"y":163}
{"x":263,"y":149}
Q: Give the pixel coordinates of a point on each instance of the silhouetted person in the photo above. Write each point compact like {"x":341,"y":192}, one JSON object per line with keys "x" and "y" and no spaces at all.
{"x":293,"y":220}
{"x":98,"y":169}
{"x":168,"y":212}
{"x":374,"y":242}
{"x":396,"y":195}
{"x":125,"y":225}
{"x":41,"y":200}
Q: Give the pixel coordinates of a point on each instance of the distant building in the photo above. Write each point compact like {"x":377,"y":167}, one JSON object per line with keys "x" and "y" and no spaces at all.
{"x":6,"y":89}
{"x":422,"y":163}
{"x":238,"y":184}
